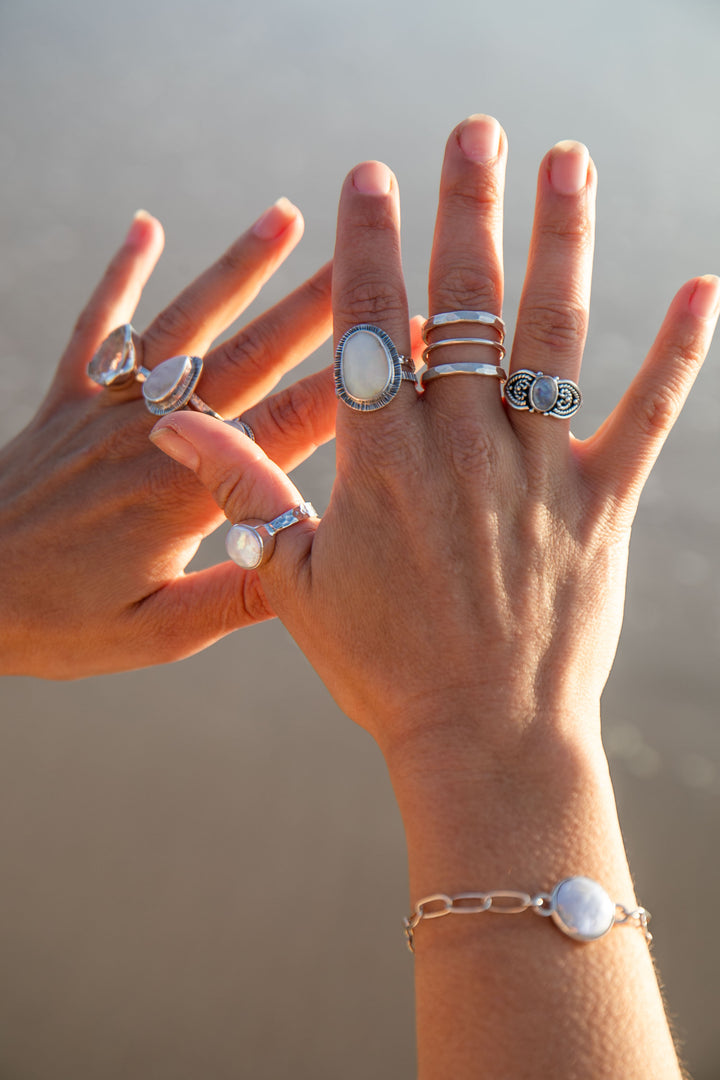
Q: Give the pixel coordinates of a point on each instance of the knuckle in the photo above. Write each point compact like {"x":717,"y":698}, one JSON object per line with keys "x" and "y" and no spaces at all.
{"x":292,"y":411}
{"x":234,"y":491}
{"x":654,"y":413}
{"x":466,"y":282}
{"x":370,"y":300}
{"x":556,"y":324}
{"x":255,"y":603}
{"x":250,"y":351}
{"x":467,"y":196}
{"x":575,"y":230}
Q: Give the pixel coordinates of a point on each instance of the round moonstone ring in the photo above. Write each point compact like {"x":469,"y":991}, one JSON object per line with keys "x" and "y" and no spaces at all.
{"x":250,"y":546}
{"x":368,"y":368}
{"x":582,"y":909}
{"x":536,"y":392}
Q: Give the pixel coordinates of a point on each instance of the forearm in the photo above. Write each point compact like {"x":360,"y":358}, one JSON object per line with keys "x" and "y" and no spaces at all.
{"x":524,"y":822}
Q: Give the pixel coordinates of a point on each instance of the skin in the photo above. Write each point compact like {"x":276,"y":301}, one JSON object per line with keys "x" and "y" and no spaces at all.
{"x":499,"y":542}
{"x":82,"y":478}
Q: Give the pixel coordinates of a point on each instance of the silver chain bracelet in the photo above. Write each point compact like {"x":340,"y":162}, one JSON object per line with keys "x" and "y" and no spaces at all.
{"x":577,"y":905}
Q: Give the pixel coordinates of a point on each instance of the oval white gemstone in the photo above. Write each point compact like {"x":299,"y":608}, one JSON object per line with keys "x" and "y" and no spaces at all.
{"x":166,"y":378}
{"x":543,"y":393}
{"x":365,"y":366}
{"x":244,"y":546}
{"x":583,"y":909}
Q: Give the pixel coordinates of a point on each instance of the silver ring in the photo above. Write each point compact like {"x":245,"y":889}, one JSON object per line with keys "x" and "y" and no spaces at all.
{"x":500,"y":348}
{"x":368,"y":369}
{"x":536,"y":392}
{"x":452,"y":318}
{"x":171,"y":386}
{"x":251,"y":546}
{"x":241,"y":425}
{"x":463,"y":369}
{"x":114,"y":365}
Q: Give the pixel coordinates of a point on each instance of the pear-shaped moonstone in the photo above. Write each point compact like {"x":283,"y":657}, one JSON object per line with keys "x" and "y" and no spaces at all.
{"x":166,"y":378}
{"x":583,"y":908}
{"x":365,"y":366}
{"x":543,"y":393}
{"x":244,"y":546}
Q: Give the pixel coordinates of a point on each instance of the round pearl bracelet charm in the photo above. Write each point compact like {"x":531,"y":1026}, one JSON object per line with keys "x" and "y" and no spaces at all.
{"x":582,"y":909}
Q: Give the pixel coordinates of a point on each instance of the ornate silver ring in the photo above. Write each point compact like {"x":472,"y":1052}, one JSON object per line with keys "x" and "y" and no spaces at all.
{"x":536,"y":392}
{"x":250,"y":546}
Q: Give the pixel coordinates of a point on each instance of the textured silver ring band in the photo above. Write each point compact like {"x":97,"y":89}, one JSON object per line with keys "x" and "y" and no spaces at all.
{"x":493,"y":370}
{"x":250,"y":546}
{"x":453,"y":318}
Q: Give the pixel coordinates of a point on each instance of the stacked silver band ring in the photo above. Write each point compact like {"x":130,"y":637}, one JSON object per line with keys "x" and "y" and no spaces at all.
{"x":250,"y":546}
{"x":369,"y":370}
{"x":463,"y":318}
{"x":168,"y":387}
{"x":536,"y":392}
{"x":439,"y":370}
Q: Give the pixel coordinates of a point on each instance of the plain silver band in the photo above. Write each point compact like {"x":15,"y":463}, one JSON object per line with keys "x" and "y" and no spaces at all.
{"x":500,"y":349}
{"x":452,"y":318}
{"x":463,"y":369}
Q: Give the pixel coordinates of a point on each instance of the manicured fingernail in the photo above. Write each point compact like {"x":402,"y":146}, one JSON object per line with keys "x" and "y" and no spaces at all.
{"x":569,"y":167}
{"x":275,"y":220}
{"x":372,"y":178}
{"x":479,"y":138}
{"x":138,"y":228}
{"x":705,"y":299}
{"x":172,"y":444}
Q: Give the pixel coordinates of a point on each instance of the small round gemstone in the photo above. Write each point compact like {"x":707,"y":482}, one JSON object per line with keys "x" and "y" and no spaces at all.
{"x":543,"y":393}
{"x":244,"y":546}
{"x":582,"y":908}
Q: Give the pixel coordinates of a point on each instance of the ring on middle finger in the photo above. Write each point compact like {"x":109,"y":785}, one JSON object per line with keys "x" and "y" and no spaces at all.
{"x":171,"y":386}
{"x":369,"y":370}
{"x":455,"y":318}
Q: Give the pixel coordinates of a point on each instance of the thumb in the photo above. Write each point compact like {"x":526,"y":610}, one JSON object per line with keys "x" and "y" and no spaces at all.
{"x":245,"y":483}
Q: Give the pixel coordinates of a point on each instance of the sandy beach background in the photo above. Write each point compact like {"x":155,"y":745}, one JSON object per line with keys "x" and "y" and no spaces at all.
{"x":202,"y":866}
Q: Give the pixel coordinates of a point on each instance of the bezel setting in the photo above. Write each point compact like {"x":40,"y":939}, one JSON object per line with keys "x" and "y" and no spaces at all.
{"x":394,"y":378}
{"x":114,"y":364}
{"x":180,"y":391}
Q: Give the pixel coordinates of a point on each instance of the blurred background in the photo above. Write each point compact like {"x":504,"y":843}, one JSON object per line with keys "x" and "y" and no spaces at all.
{"x":203,"y":871}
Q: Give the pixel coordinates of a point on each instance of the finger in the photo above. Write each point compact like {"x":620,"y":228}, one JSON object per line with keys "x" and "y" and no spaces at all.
{"x":244,"y":483}
{"x":114,"y":300}
{"x":293,"y":423}
{"x":553,"y":315}
{"x":466,"y":267}
{"x":622,"y":452}
{"x":215,"y":299}
{"x":244,"y":369}
{"x":368,"y":287}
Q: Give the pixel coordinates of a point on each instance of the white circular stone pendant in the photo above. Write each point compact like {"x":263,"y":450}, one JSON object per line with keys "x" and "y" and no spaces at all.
{"x":582,"y":909}
{"x":244,"y":545}
{"x":368,"y":368}
{"x":171,"y":384}
{"x":113,"y":365}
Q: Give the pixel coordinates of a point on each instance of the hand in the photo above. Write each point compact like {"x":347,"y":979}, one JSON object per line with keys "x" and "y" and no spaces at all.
{"x":462,"y":599}
{"x":97,"y":526}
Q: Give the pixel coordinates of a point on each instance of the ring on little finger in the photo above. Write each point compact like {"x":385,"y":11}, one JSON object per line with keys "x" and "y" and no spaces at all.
{"x":250,"y":546}
{"x":533,"y":391}
{"x":369,"y":370}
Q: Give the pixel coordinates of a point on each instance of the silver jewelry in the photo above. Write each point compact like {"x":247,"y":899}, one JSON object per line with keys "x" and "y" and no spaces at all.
{"x":251,"y":546}
{"x":429,"y":349}
{"x":452,"y":318}
{"x":171,"y":386}
{"x":536,"y":392}
{"x":368,"y":368}
{"x":114,"y":365}
{"x":578,"y":906}
{"x":241,"y":425}
{"x":462,"y":369}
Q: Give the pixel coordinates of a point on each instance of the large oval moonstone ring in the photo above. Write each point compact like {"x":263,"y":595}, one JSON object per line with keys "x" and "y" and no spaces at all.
{"x":536,"y":392}
{"x":582,"y":909}
{"x":250,"y":546}
{"x":368,"y":368}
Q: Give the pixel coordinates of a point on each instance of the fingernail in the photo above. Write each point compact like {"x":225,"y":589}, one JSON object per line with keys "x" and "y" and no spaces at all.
{"x":479,"y":138}
{"x":569,"y":167}
{"x":172,"y":444}
{"x":705,"y":299}
{"x":275,"y":220}
{"x":138,"y":228}
{"x":372,"y":178}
